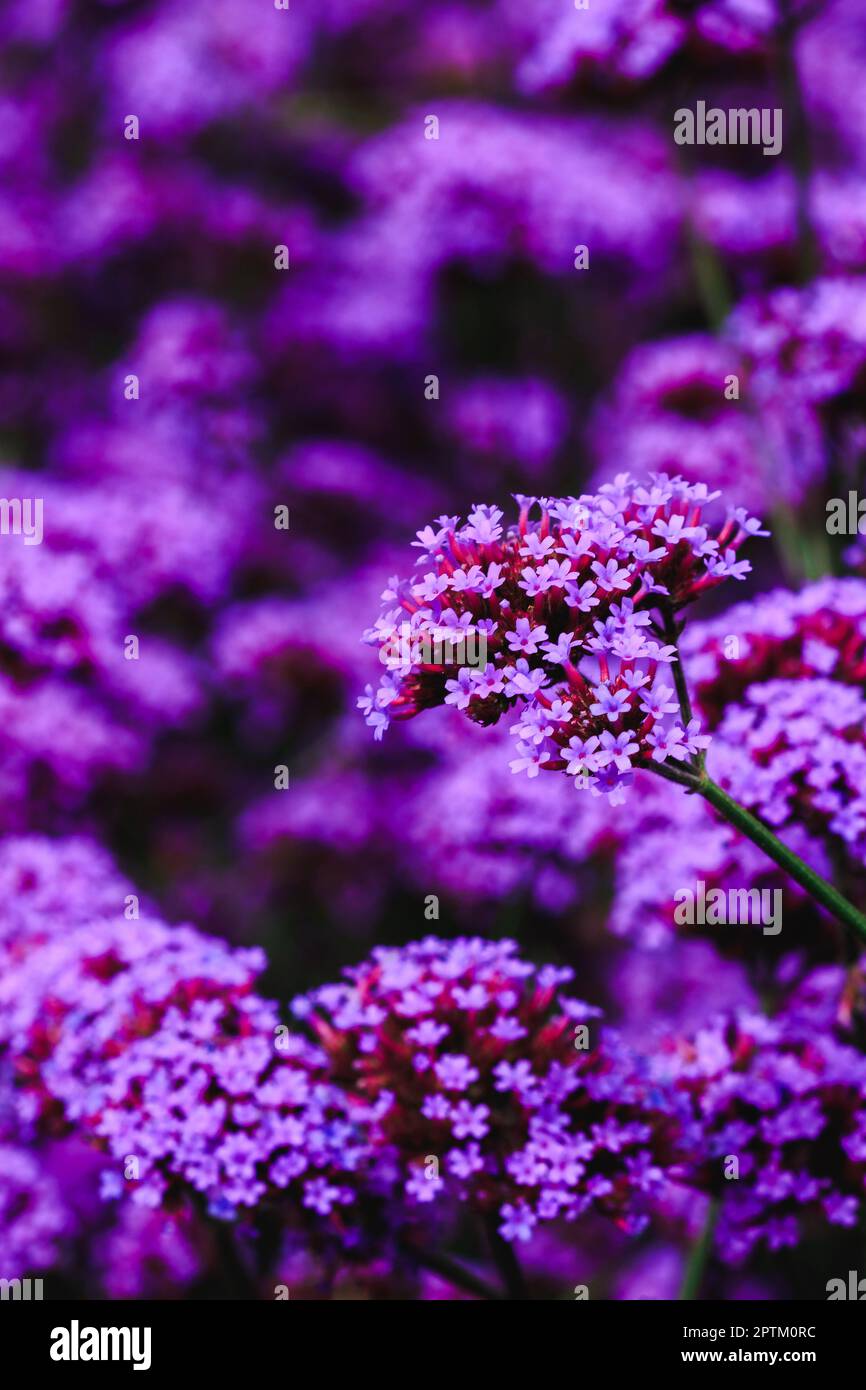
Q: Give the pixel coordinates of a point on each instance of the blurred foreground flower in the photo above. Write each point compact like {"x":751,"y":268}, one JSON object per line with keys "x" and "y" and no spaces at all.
{"x":782,"y":1108}
{"x":495,"y":1088}
{"x":151,"y":1039}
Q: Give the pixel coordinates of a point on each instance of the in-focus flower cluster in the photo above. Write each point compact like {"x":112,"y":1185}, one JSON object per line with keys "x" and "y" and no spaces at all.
{"x":542,"y":598}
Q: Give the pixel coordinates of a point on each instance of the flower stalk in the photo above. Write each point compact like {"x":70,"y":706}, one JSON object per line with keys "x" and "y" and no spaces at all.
{"x":699,"y":1256}
{"x":692,"y":775}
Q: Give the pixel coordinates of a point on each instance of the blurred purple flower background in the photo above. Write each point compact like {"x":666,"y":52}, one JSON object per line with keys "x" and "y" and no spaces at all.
{"x":282,"y":289}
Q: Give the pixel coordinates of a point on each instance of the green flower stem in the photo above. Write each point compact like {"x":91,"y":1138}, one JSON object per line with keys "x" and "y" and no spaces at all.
{"x":818,"y":887}
{"x":692,"y":775}
{"x":762,"y":836}
{"x":671,"y":632}
{"x":709,"y":276}
{"x":699,"y":1256}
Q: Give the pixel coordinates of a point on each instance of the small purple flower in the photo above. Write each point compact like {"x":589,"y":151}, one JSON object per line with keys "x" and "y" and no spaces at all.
{"x":455,"y":1072}
{"x":518,"y":1221}
{"x":469,"y":1121}
{"x":525,"y":638}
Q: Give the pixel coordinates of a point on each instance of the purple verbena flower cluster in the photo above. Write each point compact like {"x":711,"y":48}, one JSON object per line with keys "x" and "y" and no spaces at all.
{"x":781,"y":1107}
{"x":32,"y":1213}
{"x":152,"y":1038}
{"x":275,"y":284}
{"x":494,"y":1087}
{"x":542,"y":597}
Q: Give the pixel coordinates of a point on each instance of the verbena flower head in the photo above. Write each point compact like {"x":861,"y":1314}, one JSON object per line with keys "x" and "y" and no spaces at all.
{"x":797,"y":754}
{"x":665,"y":411}
{"x":151,"y":1040}
{"x":516,"y":418}
{"x":33,"y":1217}
{"x":630,"y":41}
{"x":780,"y":682}
{"x":209,"y":1104}
{"x":561,"y":606}
{"x":478,"y":1061}
{"x":816,"y":632}
{"x":787,"y":1100}
{"x":149,"y":1254}
{"x":47,"y":885}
